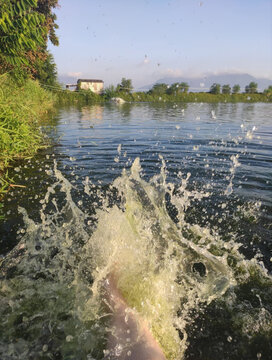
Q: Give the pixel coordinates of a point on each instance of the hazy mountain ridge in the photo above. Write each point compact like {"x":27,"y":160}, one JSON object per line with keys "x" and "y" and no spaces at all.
{"x":204,"y":83}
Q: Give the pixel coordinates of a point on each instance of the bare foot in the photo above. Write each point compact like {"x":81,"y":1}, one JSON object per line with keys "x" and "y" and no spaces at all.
{"x":130,"y":337}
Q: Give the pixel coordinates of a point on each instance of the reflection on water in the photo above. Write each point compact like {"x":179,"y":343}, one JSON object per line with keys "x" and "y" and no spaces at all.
{"x":93,"y":114}
{"x":191,"y":227}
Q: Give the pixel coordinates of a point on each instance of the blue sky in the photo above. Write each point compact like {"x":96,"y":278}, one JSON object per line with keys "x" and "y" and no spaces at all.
{"x":146,"y":40}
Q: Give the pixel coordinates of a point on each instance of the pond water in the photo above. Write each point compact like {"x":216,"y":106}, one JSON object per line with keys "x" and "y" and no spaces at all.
{"x":177,"y":198}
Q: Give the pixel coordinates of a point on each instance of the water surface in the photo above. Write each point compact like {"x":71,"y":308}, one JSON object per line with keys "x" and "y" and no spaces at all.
{"x":192,"y":211}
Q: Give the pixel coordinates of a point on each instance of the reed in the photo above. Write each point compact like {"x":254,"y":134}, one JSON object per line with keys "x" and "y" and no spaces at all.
{"x":82,"y":97}
{"x":21,"y":110}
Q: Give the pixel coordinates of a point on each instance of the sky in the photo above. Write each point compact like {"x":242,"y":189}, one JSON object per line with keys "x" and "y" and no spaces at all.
{"x":146,"y":40}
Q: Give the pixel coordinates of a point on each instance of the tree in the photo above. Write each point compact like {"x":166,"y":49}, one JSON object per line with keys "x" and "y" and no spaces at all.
{"x":226,"y":89}
{"x":215,"y":89}
{"x":109,"y":92}
{"x":24,"y":29}
{"x":236,"y":89}
{"x":46,"y":70}
{"x":45,"y":7}
{"x":21,"y":31}
{"x":178,"y":88}
{"x":268,"y":92}
{"x":159,"y":89}
{"x":251,"y":88}
{"x":184,"y":87}
{"x":125,"y":86}
{"x":174,"y":89}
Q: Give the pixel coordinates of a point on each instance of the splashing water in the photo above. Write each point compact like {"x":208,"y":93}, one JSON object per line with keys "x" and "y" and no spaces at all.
{"x":51,"y":287}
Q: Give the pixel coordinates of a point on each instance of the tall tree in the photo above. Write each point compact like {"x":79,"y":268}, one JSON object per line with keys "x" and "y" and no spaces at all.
{"x":125,"y":86}
{"x":46,"y":7}
{"x":25,"y":26}
{"x":215,"y":88}
{"x":174,"y":89}
{"x":226,"y":89}
{"x":236,"y":89}
{"x":159,"y":89}
{"x":184,"y":87}
{"x":268,"y":92}
{"x":251,"y":88}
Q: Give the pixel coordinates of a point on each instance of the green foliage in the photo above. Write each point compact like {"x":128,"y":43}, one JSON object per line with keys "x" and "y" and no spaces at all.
{"x":268,"y":90}
{"x":236,"y":89}
{"x":46,"y":71}
{"x":226,"y":89}
{"x":184,"y":87}
{"x":191,"y":97}
{"x":20,"y":107}
{"x":81,"y":97}
{"x":174,"y":89}
{"x":25,"y":26}
{"x":45,"y":8}
{"x":268,"y":93}
{"x":159,"y":89}
{"x":109,"y":92}
{"x":125,"y":86}
{"x":251,"y":88}
{"x":21,"y":30}
{"x":215,"y":89}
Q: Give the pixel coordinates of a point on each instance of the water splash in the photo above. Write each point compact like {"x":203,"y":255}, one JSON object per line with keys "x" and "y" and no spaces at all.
{"x":51,"y":283}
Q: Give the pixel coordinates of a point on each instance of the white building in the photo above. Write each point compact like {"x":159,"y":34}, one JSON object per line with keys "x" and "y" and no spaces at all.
{"x":96,"y":86}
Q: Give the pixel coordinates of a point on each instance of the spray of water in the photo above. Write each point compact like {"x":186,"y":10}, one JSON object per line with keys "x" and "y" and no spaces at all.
{"x":51,"y":288}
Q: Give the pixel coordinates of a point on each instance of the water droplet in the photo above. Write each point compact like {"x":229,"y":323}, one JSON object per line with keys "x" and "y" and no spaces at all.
{"x":69,"y":338}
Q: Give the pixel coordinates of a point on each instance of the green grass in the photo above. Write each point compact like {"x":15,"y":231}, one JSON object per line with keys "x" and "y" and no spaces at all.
{"x":194,"y":97}
{"x":21,"y":110}
{"x":82,"y":97}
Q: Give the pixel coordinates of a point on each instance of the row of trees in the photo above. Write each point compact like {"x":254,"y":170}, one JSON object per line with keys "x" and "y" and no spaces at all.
{"x":125,"y":87}
{"x":25,"y":27}
{"x":183,"y":87}
{"x":252,"y":88}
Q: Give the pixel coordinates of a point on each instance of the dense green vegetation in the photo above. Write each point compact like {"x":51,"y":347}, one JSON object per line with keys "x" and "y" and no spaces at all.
{"x":25,"y":27}
{"x":20,"y":134}
{"x":81,"y":97}
{"x":179,"y":92}
{"x":194,"y":97}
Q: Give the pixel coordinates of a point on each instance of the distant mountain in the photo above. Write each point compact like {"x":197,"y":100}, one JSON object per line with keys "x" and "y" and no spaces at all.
{"x":204,"y":83}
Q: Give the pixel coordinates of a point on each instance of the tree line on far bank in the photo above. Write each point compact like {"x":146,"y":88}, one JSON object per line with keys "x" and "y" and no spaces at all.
{"x":180,"y":91}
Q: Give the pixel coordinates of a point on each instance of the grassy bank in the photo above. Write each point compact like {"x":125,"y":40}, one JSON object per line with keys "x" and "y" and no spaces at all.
{"x":83,"y":97}
{"x":194,"y":97}
{"x":21,"y":110}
